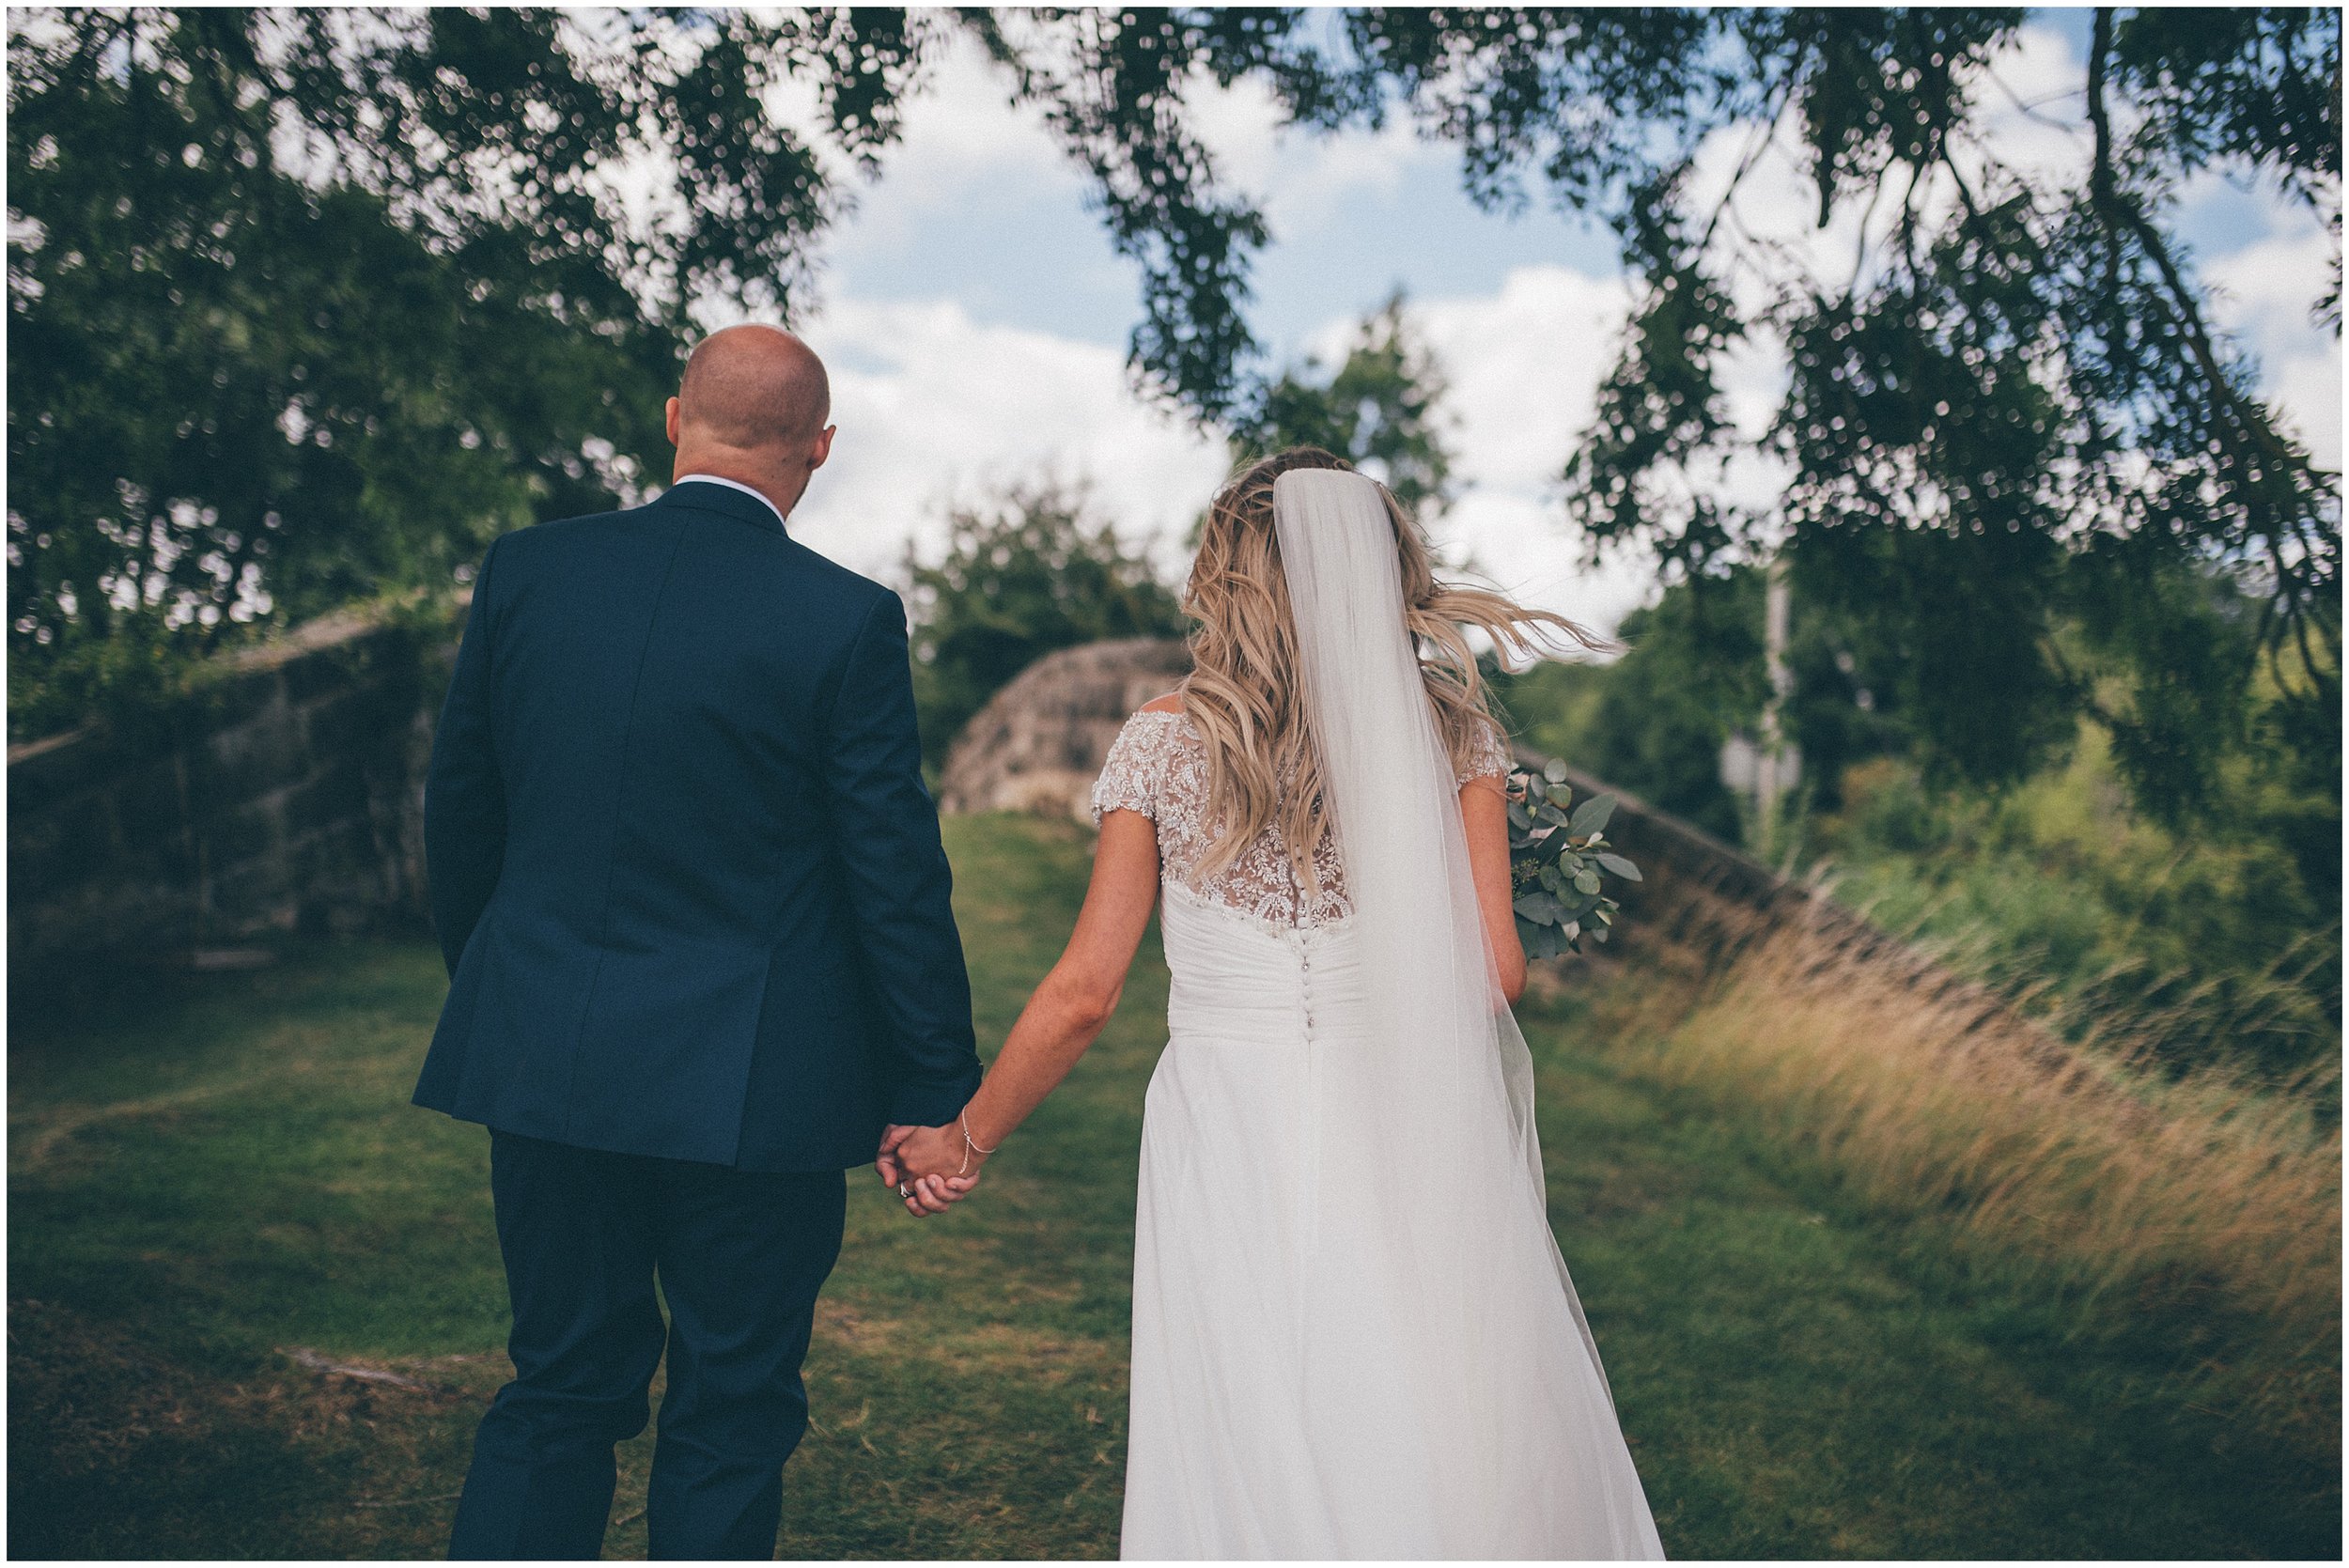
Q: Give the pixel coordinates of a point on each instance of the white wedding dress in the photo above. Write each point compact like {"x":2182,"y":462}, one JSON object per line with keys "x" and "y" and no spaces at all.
{"x":1353,"y":1335}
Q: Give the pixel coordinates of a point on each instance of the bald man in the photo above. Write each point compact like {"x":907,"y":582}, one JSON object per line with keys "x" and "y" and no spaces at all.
{"x":690,"y":888}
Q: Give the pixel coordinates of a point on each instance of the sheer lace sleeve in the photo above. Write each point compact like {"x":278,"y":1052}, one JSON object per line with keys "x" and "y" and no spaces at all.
{"x":1135,"y":776}
{"x":1489,"y":756}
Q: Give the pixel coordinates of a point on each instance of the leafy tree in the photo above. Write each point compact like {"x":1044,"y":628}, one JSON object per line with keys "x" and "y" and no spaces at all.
{"x":2011,"y":417}
{"x":2015,"y":409}
{"x":1692,"y":673}
{"x":1654,"y":720}
{"x":1377,"y":410}
{"x":1022,"y":576}
{"x":304,"y":304}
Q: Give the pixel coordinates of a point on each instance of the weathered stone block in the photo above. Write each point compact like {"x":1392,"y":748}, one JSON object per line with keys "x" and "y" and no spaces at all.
{"x":362,"y":722}
{"x":245,"y":834}
{"x":251,"y":900}
{"x":232,"y":699}
{"x":151,"y":800}
{"x":42,"y":773}
{"x":1039,"y":743}
{"x":257,"y":754}
{"x":292,"y":778}
{"x":60,"y":847}
{"x":329,"y":671}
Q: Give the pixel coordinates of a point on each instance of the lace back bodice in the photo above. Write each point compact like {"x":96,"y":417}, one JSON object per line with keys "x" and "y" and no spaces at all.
{"x":1158,"y":767}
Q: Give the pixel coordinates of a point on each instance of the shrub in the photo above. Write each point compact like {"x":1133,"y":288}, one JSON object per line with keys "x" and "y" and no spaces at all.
{"x":1027,"y":573}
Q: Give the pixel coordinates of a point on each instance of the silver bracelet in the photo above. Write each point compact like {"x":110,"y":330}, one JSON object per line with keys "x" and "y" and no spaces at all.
{"x":970,"y":1145}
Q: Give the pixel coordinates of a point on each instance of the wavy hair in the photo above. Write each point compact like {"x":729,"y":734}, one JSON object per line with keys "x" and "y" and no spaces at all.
{"x":1243,"y":693}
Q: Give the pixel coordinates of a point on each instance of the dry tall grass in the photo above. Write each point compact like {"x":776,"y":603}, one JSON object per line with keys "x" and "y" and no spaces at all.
{"x":1928,"y":1095}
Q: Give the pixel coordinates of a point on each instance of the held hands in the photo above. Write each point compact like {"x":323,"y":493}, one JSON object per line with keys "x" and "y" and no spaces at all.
{"x":931,"y":1168}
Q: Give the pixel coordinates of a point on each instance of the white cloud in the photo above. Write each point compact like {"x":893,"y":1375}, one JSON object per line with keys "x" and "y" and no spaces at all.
{"x":1521,"y":545}
{"x":2262,"y":294}
{"x":1524,"y":366}
{"x":959,"y":126}
{"x":1301,"y":179}
{"x":935,"y":408}
{"x":2032,"y":109}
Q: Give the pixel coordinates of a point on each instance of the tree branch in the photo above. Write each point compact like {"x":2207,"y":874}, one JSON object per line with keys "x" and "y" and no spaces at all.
{"x":2117,"y":207}
{"x":1775,"y":101}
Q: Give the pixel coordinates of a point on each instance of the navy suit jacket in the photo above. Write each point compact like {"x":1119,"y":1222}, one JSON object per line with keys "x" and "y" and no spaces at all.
{"x":684,"y":871}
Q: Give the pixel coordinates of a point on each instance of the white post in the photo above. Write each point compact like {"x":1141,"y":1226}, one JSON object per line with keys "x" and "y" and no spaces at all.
{"x":1773,"y":749}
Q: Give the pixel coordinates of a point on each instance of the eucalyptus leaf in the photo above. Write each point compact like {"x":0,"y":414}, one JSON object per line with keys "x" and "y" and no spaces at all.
{"x":1541,"y":941}
{"x":1591,"y":815}
{"x":1621,"y":867}
{"x":1539,"y":906}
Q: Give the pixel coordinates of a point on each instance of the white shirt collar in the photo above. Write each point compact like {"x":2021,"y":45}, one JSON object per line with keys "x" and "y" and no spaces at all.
{"x":732,"y":485}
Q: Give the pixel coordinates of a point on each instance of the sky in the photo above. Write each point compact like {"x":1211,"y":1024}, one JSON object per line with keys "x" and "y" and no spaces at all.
{"x":974,"y":318}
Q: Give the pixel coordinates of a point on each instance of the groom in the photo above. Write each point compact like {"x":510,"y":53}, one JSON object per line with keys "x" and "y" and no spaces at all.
{"x":690,"y":891}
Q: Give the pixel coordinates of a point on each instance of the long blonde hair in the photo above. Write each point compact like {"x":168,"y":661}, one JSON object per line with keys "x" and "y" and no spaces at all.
{"x":1244,"y":694}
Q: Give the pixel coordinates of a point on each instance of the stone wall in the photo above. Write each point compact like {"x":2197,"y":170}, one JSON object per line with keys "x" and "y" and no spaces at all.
{"x":287,"y":795}
{"x":290,"y":798}
{"x":1038,"y":743}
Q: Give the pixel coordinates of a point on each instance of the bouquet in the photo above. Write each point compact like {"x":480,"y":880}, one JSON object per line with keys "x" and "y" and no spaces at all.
{"x":1557,"y":860}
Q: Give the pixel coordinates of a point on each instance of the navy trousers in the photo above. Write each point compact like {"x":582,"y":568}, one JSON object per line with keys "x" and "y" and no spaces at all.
{"x":739,"y":1256}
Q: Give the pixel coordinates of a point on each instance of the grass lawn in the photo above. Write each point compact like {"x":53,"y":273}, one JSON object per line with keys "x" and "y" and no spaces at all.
{"x":220,"y":1198}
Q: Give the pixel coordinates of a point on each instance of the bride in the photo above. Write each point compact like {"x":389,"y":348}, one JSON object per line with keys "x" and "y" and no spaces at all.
{"x":1353,"y":1336}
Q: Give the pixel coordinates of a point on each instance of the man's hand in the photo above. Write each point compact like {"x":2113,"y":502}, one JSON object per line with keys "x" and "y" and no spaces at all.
{"x":931,"y":1168}
{"x":889,"y":1170}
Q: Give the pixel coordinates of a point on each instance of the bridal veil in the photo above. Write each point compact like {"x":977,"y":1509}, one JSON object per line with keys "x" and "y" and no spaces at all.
{"x":1442,"y":1331}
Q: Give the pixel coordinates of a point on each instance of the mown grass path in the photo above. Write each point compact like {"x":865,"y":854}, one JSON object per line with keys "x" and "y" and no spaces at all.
{"x":216,"y":1193}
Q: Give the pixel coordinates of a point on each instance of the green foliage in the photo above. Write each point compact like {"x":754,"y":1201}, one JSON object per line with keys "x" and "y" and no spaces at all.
{"x":1377,"y":410}
{"x":305,"y":306}
{"x":2213,"y":912}
{"x":133,"y":678}
{"x":1654,"y":720}
{"x":2222,"y":934}
{"x":2015,"y":401}
{"x":1022,"y":576}
{"x":1557,"y":861}
{"x":1550,"y":705}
